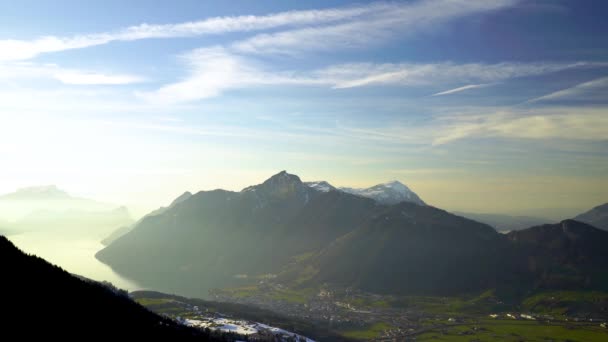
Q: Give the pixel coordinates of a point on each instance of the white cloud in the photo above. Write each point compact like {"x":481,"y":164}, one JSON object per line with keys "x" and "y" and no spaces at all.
{"x":580,"y":91}
{"x":459,"y":89}
{"x":90,"y":78}
{"x":20,"y":71}
{"x":212,"y":71}
{"x":11,"y":49}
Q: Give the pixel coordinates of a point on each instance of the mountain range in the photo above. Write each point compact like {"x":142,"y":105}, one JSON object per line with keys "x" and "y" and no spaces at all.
{"x":306,"y":234}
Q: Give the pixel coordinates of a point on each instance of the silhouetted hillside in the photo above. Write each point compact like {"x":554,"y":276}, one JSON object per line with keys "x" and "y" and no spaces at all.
{"x":42,"y":301}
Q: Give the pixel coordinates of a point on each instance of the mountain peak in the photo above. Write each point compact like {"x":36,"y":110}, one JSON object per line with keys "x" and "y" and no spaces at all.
{"x":281,"y":185}
{"x":283,"y":178}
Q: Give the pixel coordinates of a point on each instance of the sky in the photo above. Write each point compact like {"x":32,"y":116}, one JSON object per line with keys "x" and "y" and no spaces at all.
{"x":483,"y":106}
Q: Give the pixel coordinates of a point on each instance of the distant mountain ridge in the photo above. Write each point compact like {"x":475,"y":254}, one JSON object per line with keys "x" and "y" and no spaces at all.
{"x":48,"y":208}
{"x":308,"y":234}
{"x":122,"y":230}
{"x":36,"y":193}
{"x":505,"y":223}
{"x":597,"y":216}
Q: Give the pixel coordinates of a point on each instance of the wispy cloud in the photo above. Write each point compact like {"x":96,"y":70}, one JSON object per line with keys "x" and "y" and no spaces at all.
{"x":549,"y":123}
{"x":459,"y":89}
{"x":364,"y":74}
{"x":12,"y":49}
{"x":376,"y":19}
{"x":399,"y":19}
{"x":213,"y":71}
{"x":583,"y":91}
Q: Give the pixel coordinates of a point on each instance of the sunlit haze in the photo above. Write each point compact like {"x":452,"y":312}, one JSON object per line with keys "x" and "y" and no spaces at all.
{"x":480,"y":106}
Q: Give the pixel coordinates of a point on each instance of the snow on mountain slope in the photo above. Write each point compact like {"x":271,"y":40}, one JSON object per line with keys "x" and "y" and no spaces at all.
{"x":320,"y":186}
{"x":387,"y":193}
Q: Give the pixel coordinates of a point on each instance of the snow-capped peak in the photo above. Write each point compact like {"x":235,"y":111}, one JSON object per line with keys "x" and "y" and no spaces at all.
{"x":392,"y":192}
{"x":389,"y":193}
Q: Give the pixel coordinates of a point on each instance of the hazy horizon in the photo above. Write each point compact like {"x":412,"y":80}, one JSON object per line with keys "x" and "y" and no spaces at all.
{"x":137,"y":211}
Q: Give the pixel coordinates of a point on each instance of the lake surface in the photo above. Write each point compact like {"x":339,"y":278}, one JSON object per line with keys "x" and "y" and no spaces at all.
{"x":73,"y":254}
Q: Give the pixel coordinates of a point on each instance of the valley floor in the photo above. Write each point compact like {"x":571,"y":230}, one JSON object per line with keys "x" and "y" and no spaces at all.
{"x":556,"y":316}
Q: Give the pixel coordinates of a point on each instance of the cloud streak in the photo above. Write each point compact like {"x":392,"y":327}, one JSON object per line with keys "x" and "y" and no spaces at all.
{"x":459,"y":89}
{"x":366,"y":74}
{"x":580,"y":91}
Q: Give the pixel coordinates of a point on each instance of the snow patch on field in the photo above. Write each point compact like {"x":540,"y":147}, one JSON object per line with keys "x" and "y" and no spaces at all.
{"x":242,"y":327}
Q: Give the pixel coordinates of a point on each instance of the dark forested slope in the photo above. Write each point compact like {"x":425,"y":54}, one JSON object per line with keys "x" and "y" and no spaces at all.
{"x":42,"y":301}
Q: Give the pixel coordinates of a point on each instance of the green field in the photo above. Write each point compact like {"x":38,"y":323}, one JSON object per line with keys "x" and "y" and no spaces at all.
{"x":153,"y":301}
{"x":371,"y":332}
{"x":512,"y":330}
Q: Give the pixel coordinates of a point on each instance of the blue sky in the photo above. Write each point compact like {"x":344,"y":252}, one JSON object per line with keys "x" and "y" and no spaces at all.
{"x":489,"y":106}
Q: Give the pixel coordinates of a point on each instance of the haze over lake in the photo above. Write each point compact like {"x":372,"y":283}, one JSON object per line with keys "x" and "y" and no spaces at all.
{"x":74,"y":254}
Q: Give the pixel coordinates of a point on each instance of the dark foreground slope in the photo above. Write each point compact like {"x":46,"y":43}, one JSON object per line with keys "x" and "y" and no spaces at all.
{"x":42,"y":301}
